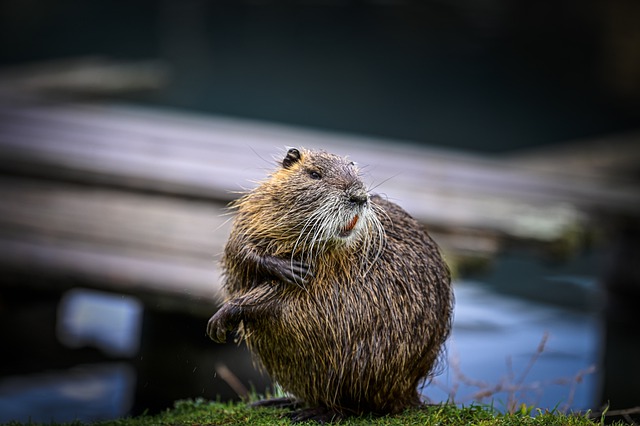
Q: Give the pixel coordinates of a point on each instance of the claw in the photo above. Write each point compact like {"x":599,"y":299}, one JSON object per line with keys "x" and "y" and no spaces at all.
{"x":215,"y":331}
{"x":284,"y":403}
{"x":220,"y":323}
{"x":319,"y":414}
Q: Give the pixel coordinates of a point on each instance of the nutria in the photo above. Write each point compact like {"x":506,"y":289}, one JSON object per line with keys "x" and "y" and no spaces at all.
{"x":342,"y":296}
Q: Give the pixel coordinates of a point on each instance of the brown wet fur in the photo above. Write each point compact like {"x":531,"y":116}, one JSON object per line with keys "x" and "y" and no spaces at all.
{"x":349,"y":326}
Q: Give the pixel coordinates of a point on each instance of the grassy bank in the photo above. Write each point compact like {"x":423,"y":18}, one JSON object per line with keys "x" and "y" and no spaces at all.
{"x":201,"y":412}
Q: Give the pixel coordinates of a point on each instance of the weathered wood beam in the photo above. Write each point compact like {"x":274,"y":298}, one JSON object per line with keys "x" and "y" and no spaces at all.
{"x":133,"y":199}
{"x":211,"y":157}
{"x":155,"y":247}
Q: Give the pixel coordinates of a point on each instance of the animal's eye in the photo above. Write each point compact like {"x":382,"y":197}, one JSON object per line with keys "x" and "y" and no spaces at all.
{"x":314,"y":174}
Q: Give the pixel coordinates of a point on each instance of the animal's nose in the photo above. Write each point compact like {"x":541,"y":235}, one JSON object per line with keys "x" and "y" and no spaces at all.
{"x":359,"y":199}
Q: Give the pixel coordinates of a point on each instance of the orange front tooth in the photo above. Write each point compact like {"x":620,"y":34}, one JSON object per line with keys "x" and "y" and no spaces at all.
{"x":353,"y":222}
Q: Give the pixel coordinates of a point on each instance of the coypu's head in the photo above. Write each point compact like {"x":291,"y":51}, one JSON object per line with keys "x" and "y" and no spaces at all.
{"x":313,"y":202}
{"x":329,"y":191}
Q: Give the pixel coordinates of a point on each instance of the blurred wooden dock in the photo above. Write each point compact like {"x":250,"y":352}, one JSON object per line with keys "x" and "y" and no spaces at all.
{"x":133,"y":200}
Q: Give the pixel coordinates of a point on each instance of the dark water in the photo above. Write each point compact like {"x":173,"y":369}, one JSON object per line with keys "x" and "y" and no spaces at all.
{"x":489,"y":79}
{"x":104,"y":356}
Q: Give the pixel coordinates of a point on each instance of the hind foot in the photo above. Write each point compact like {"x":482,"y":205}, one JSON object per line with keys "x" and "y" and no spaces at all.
{"x":318,"y":414}
{"x":284,"y":402}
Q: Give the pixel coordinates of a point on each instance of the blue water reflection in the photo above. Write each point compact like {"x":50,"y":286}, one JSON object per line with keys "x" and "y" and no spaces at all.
{"x":496,"y":337}
{"x":106,"y":321}
{"x":86,"y":392}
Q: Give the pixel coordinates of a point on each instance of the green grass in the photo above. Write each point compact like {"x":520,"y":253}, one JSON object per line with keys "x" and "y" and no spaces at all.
{"x":200,"y":412}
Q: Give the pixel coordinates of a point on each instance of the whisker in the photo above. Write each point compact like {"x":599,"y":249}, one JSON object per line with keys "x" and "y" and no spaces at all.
{"x":373,"y":187}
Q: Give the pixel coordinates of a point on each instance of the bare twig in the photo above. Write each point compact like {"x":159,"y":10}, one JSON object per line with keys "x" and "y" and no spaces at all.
{"x":513,"y":385}
{"x":624,"y":413}
{"x":575,"y":381}
{"x":534,"y":358}
{"x":232,"y":380}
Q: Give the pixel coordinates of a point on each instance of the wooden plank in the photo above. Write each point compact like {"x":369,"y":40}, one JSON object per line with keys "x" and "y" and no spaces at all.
{"x":212,"y":156}
{"x":194,"y":229}
{"x":134,"y":243}
{"x":604,"y":158}
{"x":133,"y":199}
{"x":161,"y":281}
{"x":84,"y":76}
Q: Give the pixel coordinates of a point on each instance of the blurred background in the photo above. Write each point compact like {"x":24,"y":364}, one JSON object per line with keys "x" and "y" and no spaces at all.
{"x":510,"y":129}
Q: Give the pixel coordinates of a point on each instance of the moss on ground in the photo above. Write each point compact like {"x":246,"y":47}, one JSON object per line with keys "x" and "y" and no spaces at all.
{"x":200,"y":412}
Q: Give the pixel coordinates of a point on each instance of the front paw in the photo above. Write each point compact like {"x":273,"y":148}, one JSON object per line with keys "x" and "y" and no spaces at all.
{"x":290,"y":271}
{"x":225,"y":320}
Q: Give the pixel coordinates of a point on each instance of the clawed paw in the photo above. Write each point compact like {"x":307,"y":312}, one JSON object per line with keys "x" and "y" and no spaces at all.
{"x":290,"y":271}
{"x":286,"y":402}
{"x":318,"y":414}
{"x":222,"y":322}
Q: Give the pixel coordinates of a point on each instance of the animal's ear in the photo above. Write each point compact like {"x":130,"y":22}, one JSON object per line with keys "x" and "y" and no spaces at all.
{"x":293,"y":156}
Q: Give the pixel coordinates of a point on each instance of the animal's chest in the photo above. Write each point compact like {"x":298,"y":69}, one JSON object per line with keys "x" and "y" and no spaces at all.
{"x":335,"y":316}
